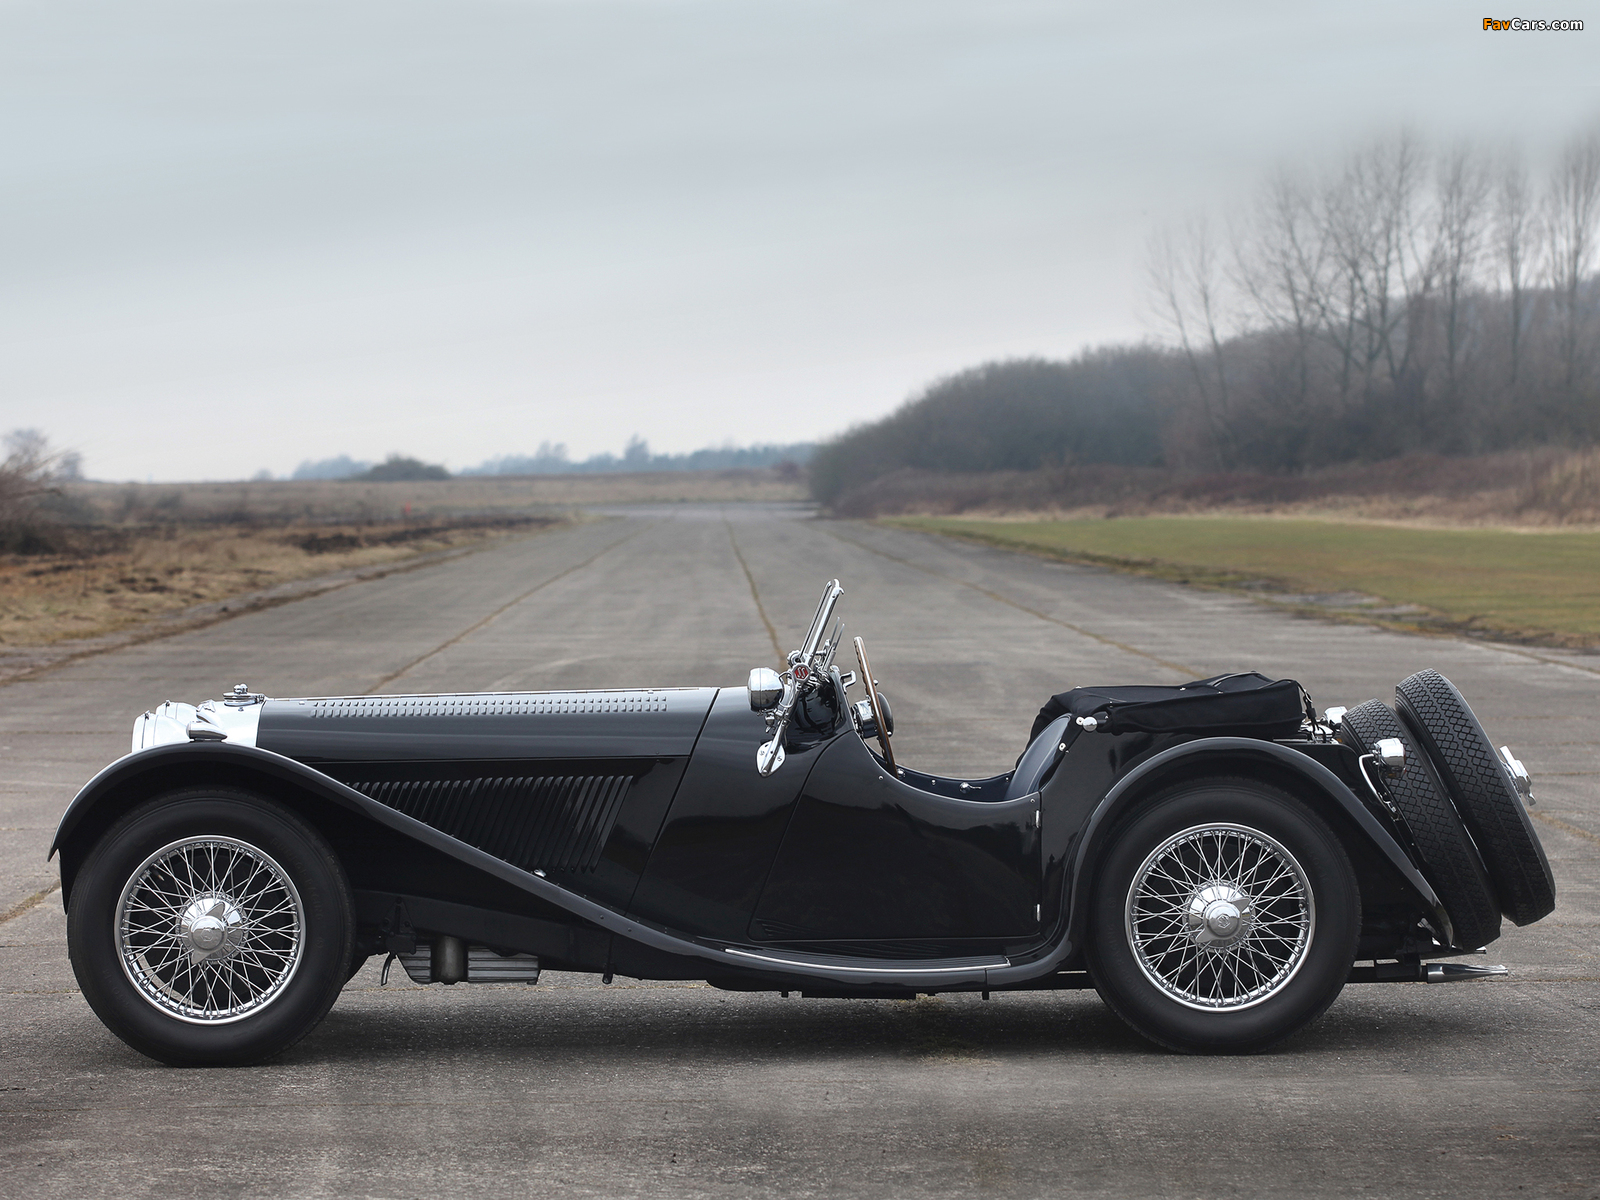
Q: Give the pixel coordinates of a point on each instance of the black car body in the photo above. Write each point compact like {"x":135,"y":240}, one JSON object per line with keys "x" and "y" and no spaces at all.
{"x":227,"y":877}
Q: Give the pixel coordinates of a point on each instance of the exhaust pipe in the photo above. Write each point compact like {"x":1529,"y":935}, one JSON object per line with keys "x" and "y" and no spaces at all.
{"x":447,"y":960}
{"x":1416,"y":971}
{"x":444,"y":959}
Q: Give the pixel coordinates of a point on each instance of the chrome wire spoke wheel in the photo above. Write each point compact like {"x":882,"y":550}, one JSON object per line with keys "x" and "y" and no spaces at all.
{"x":210,"y":930}
{"x":1220,"y":917}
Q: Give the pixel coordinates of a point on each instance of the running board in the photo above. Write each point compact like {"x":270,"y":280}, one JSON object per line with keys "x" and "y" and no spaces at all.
{"x":853,"y":973}
{"x":1421,"y":972}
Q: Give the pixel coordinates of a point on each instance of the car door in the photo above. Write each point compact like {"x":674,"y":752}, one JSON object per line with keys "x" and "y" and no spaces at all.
{"x":869,"y":857}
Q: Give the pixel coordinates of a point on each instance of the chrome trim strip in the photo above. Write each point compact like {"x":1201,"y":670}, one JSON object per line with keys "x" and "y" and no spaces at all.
{"x":876,"y":969}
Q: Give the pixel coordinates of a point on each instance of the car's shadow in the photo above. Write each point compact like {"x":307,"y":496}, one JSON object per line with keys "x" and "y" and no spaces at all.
{"x":701,"y":1022}
{"x":702,"y":1025}
{"x":557,"y":1028}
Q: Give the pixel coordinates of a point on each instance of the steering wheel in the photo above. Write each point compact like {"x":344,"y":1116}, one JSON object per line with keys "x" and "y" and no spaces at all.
{"x":877,"y":705}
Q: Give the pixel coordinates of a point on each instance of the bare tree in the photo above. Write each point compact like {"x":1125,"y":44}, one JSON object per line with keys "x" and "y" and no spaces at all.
{"x":1571,"y":209}
{"x":1186,"y":284}
{"x":1367,"y":213}
{"x":1281,"y":269}
{"x":1462,"y":198}
{"x":30,"y":470}
{"x":1404,"y":290}
{"x":1347,"y":232}
{"x":1514,"y":231}
{"x":1361,"y":313}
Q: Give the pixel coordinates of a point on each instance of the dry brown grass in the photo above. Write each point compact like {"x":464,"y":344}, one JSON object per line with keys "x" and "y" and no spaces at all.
{"x":1531,"y":489}
{"x":352,"y":501}
{"x":127,"y":577}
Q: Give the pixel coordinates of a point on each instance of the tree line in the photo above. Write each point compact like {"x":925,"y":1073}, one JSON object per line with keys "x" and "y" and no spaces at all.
{"x":551,"y":458}
{"x":1103,"y":406}
{"x":1408,"y":300}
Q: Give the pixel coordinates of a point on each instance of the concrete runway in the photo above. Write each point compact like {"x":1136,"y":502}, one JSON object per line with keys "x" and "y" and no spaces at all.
{"x":573,"y":1088}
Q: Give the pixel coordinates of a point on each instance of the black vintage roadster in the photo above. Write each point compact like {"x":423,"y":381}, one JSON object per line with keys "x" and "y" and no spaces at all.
{"x":1215,"y":859}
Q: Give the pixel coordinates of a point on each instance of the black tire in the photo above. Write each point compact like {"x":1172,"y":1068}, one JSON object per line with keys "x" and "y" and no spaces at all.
{"x":238,"y":935}
{"x":1449,"y":860}
{"x":1137,"y":961}
{"x":1442,"y":722}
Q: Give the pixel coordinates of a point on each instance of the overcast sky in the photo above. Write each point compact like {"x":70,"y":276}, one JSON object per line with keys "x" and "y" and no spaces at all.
{"x":237,"y":234}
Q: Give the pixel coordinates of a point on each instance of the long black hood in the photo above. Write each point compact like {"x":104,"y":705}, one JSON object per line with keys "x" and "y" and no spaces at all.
{"x":646,"y":723}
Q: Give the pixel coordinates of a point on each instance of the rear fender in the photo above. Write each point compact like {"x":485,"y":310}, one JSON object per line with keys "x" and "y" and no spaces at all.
{"x":1324,"y":791}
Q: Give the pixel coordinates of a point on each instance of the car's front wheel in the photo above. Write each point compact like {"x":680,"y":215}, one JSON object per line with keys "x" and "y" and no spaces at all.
{"x":1225,"y":916}
{"x":210,"y":927}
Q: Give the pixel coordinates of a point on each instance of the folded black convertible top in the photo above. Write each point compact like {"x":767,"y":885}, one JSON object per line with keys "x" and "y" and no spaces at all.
{"x":1247,"y":704}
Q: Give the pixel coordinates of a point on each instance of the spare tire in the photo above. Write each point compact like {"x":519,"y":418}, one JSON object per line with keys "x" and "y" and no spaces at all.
{"x":1477,"y":781}
{"x":1449,"y":861}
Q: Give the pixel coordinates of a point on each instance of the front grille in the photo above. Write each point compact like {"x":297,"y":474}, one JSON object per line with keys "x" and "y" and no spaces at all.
{"x":553,"y":823}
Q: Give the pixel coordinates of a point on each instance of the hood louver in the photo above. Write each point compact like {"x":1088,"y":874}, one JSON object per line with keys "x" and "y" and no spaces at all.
{"x":548,"y":823}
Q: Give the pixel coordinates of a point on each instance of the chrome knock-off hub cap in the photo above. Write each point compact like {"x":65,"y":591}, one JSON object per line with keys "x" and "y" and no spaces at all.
{"x":214,"y":926}
{"x":1220,"y":917}
{"x":210,"y":930}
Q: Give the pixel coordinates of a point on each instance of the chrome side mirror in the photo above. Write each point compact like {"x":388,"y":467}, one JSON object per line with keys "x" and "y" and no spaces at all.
{"x":770,"y":755}
{"x":766,"y":689}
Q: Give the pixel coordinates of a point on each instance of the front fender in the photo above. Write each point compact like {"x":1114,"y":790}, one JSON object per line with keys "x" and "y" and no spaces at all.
{"x":115,"y":788}
{"x":133,"y":777}
{"x":1212,"y":754}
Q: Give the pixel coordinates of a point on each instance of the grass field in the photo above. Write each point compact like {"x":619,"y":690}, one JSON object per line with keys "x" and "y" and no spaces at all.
{"x":1531,"y":586}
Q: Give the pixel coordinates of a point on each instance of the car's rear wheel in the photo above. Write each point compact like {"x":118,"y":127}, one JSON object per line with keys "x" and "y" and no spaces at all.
{"x":1440,"y":719}
{"x":210,"y":927}
{"x":1224,"y":917}
{"x":1450,"y":862}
